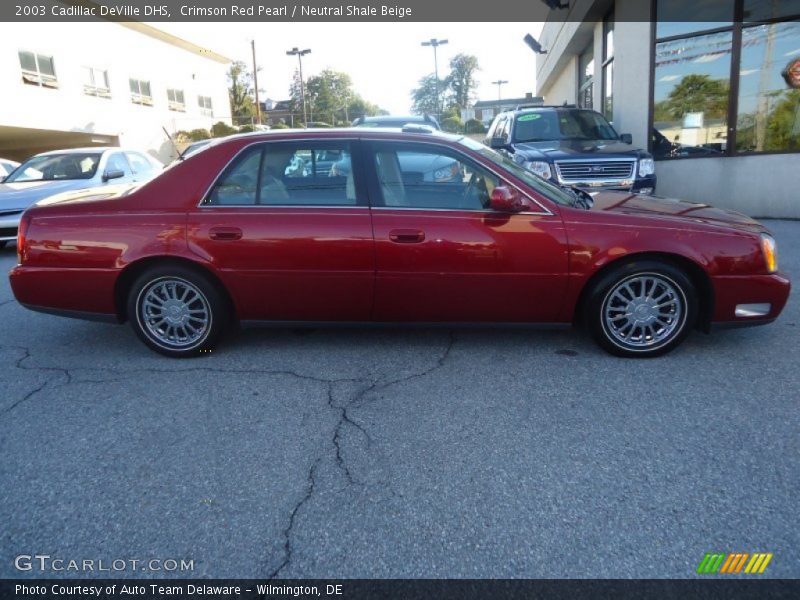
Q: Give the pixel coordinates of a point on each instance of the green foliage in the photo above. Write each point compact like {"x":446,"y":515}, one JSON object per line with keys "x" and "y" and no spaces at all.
{"x":220,"y":129}
{"x":330,"y":97}
{"x":474,"y":126}
{"x":280,"y":125}
{"x":461,"y":80}
{"x":240,"y":91}
{"x":246,"y":129}
{"x":695,"y":93}
{"x":198,"y":134}
{"x":780,"y":127}
{"x":423,"y":97}
{"x":452,"y":124}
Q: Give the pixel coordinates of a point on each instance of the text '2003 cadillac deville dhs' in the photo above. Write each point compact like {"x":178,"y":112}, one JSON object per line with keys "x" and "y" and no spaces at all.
{"x":389,"y":226}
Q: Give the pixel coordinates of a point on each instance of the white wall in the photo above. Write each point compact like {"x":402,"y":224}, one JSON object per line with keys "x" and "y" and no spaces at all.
{"x":759,"y":186}
{"x":631,"y":77}
{"x":125,"y":53}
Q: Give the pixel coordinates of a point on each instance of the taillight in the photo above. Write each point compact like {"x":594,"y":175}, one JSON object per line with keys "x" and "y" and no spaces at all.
{"x":21,"y":234}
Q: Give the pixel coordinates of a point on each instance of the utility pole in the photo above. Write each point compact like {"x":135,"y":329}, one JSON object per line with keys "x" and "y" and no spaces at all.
{"x":434,"y":43}
{"x":300,"y":54}
{"x":499,"y":83}
{"x":255,"y":81}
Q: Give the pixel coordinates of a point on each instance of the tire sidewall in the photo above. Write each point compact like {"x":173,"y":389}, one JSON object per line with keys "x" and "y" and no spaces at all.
{"x":595,"y":305}
{"x":216,"y":306}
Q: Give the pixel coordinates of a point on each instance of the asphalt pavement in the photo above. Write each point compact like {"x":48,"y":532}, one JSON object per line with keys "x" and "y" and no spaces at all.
{"x":399,"y":452}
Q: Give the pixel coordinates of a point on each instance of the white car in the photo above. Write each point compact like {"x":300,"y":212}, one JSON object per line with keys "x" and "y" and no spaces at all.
{"x":6,"y":166}
{"x":51,"y":173}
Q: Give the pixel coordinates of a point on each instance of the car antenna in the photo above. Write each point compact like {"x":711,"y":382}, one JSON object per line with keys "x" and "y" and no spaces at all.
{"x":174,"y":145}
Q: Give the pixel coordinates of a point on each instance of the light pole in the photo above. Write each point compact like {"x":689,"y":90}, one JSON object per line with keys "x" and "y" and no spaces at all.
{"x":300,"y":54}
{"x":255,"y":80}
{"x":499,"y":83}
{"x":434,"y":43}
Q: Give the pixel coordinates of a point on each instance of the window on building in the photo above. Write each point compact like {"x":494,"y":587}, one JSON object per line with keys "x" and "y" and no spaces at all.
{"x":706,"y":106}
{"x":608,"y":67}
{"x":586,"y":78}
{"x":95,"y":82}
{"x":206,"y":108}
{"x":37,"y":69}
{"x":140,"y":92}
{"x":175,"y":100}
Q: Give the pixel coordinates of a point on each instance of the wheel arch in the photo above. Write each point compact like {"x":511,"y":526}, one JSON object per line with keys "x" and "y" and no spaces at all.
{"x":696,"y":274}
{"x":133,"y":270}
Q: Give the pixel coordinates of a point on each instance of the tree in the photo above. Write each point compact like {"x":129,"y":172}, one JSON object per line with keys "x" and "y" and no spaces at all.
{"x":695,"y":93}
{"x":240,"y":92}
{"x":424,"y":96}
{"x":461,"y":80}
{"x":330,"y":97}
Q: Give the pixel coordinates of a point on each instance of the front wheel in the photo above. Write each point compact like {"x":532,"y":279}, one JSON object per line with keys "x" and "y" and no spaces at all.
{"x":642,"y":309}
{"x":177,"y":311}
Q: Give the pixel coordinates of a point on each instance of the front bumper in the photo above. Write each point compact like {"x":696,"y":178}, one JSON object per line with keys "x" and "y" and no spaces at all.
{"x":749,"y":299}
{"x":643,"y":185}
{"x":9,"y":224}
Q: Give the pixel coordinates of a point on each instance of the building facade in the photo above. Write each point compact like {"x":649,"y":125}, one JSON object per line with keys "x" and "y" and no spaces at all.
{"x":486,"y":110}
{"x":104,"y":83}
{"x":717,"y":100}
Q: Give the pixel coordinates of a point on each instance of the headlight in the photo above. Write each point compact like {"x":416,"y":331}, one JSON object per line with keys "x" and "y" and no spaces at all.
{"x":447,"y":174}
{"x":770,"y":251}
{"x":647,"y":166}
{"x":541,"y":168}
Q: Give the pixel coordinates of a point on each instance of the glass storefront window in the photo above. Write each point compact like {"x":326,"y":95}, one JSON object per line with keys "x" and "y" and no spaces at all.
{"x":769,"y":105}
{"x":700,"y":15}
{"x":608,"y":67}
{"x":586,"y":74}
{"x":692,"y":88}
{"x":764,"y":10}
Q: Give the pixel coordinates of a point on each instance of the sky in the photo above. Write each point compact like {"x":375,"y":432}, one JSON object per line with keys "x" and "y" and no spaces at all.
{"x":384,"y":60}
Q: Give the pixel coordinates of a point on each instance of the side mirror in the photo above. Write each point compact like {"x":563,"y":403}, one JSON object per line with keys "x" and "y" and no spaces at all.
{"x":498,"y":143}
{"x":626,"y":138}
{"x":115,"y":174}
{"x":506,"y":199}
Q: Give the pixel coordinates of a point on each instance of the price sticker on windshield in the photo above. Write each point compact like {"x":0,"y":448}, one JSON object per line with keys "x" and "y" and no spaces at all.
{"x":529,"y":117}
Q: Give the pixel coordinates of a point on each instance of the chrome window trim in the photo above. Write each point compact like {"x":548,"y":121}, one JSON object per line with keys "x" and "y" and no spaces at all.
{"x":544,"y":210}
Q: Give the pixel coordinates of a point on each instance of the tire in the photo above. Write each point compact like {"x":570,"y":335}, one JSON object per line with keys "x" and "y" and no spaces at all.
{"x":641,"y":309}
{"x":177,"y":311}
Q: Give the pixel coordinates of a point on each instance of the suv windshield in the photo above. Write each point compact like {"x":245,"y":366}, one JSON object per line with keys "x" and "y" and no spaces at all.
{"x":57,"y":167}
{"x":555,"y":193}
{"x":562,"y":124}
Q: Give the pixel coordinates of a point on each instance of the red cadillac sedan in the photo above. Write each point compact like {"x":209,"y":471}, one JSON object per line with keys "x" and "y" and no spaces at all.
{"x":389,"y":226}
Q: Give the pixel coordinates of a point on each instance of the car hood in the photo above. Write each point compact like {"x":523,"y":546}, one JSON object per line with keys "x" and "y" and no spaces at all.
{"x":673,"y":210}
{"x":562,"y":149}
{"x":19,"y":196}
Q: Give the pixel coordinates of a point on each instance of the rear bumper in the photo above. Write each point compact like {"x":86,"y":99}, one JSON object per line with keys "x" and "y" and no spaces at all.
{"x":72,"y":292}
{"x":749,"y":299}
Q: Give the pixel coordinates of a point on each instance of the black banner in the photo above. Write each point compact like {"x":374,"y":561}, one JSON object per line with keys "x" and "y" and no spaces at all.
{"x":406,"y":589}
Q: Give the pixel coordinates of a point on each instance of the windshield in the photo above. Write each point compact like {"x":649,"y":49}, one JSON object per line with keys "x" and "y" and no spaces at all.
{"x":549,"y":125}
{"x":57,"y":167}
{"x":553,"y":192}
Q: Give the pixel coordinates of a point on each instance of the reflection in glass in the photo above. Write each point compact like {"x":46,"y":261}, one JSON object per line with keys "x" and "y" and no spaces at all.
{"x":586,"y":74}
{"x":764,"y":10}
{"x":692,"y":85}
{"x":769,"y":108}
{"x":704,"y":15}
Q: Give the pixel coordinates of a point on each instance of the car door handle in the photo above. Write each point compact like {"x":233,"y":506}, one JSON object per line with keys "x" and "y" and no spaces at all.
{"x":407,"y":236}
{"x":225,"y":233}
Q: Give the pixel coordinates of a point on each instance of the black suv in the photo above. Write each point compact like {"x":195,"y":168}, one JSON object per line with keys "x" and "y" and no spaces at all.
{"x":573,"y":146}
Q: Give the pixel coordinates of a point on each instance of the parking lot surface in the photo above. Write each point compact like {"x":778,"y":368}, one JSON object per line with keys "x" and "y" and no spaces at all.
{"x":400,"y":452}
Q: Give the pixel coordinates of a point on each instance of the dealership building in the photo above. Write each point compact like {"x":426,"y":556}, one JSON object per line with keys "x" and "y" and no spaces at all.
{"x":716,"y":100}
{"x":104,"y":83}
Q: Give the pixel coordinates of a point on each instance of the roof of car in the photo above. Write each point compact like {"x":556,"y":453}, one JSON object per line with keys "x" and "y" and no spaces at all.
{"x":83,"y":150}
{"x":340,"y":132}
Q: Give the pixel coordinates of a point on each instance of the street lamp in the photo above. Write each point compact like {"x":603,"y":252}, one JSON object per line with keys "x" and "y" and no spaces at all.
{"x":300,"y":54}
{"x":499,"y":83}
{"x":434,"y":43}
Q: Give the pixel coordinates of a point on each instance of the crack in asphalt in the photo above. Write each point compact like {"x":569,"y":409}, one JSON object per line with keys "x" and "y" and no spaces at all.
{"x":345,"y":419}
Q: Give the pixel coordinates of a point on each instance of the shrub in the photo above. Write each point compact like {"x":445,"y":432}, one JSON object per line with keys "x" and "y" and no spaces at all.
{"x":452,"y":124}
{"x":280,"y":126}
{"x":474,"y":126}
{"x":198,"y":134}
{"x":246,"y":129}
{"x":220,"y":129}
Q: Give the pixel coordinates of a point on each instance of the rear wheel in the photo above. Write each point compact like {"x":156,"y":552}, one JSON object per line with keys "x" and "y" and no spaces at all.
{"x":642,"y":309}
{"x":177,"y":311}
